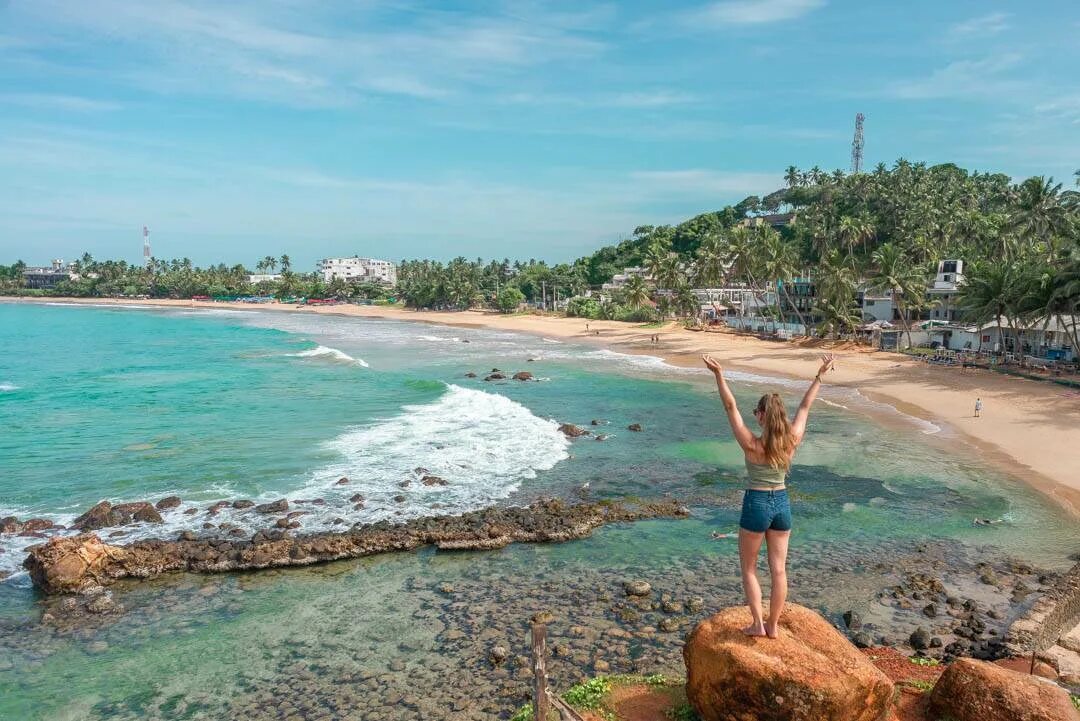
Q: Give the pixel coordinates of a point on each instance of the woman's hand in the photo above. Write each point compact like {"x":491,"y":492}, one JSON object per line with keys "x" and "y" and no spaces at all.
{"x":828,"y":362}
{"x":712,"y":364}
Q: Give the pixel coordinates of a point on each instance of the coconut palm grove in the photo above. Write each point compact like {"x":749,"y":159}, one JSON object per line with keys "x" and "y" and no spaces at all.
{"x":884,"y":230}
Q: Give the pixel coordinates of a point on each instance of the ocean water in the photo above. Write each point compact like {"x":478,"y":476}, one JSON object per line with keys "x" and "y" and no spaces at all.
{"x":136,"y":404}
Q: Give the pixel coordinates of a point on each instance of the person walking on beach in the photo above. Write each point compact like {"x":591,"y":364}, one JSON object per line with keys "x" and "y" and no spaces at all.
{"x":766,"y":511}
{"x":978,"y":407}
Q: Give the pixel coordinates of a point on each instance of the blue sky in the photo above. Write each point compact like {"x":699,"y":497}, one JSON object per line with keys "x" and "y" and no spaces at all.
{"x":521,"y":129}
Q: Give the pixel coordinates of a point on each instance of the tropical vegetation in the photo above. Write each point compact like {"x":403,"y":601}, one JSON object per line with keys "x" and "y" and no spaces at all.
{"x":881,"y":231}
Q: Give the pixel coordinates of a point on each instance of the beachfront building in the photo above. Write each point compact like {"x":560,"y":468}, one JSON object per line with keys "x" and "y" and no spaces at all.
{"x":619,"y":279}
{"x":945,"y":290}
{"x":358,"y":270}
{"x":256,"y":278}
{"x":878,"y":307}
{"x":1046,"y":339}
{"x":46,"y":277}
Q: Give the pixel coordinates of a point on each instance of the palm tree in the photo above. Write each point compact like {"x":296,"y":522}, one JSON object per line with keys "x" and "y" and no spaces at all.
{"x":636,"y":291}
{"x":270,"y":262}
{"x":780,"y":263}
{"x":1040,"y":216}
{"x":835,"y":287}
{"x":991,"y":292}
{"x":711,"y":261}
{"x":286,"y":264}
{"x":894,"y":274}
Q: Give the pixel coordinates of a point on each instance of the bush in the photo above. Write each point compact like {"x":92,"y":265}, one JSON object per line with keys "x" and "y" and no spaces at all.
{"x":509,"y":299}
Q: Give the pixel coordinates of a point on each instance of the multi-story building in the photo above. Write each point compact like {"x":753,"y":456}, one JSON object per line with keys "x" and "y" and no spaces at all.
{"x":619,"y":279}
{"x":47,"y":277}
{"x":944,"y":291}
{"x":358,"y":270}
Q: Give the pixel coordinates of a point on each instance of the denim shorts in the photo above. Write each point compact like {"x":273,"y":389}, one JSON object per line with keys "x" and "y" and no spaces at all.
{"x":765,"y":510}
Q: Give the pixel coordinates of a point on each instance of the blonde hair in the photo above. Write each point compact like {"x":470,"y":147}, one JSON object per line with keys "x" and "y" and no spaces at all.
{"x":776,"y":434}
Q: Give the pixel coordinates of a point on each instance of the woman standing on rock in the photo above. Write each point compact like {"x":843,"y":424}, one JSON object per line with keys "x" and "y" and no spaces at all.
{"x":766,"y":512}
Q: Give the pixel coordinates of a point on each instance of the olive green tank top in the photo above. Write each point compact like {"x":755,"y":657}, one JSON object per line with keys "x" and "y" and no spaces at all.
{"x":762,"y":475}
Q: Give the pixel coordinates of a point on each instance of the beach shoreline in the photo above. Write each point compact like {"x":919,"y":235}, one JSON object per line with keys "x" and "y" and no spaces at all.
{"x":1026,"y":425}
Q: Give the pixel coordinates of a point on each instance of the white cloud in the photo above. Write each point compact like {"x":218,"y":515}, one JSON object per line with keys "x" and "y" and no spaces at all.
{"x":983,"y":26}
{"x":329,"y":55}
{"x":702,"y":182}
{"x":962,"y":79}
{"x":755,"y":12}
{"x":47,"y":101}
{"x":1063,"y":107}
{"x":644,"y":99}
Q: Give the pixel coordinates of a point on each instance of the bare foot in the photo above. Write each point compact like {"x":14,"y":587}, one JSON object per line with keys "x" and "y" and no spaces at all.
{"x":755,"y":629}
{"x":770,"y":629}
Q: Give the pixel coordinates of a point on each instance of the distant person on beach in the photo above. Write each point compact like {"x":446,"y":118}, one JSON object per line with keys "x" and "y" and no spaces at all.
{"x":766,"y":511}
{"x":978,"y":407}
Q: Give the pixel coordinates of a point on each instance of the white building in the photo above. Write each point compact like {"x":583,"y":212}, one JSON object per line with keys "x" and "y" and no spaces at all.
{"x":877,"y":307}
{"x":945,"y":290}
{"x":256,"y":278}
{"x":358,"y":270}
{"x":619,"y":279}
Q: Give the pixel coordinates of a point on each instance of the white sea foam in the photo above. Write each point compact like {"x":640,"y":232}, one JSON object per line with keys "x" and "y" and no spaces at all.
{"x":439,"y":339}
{"x":330,"y":354}
{"x":551,"y":340}
{"x":483,"y":444}
{"x":8,"y":387}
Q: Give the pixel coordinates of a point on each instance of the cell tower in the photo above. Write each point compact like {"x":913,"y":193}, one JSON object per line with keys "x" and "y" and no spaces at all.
{"x":857,"y":145}
{"x":146,"y":245}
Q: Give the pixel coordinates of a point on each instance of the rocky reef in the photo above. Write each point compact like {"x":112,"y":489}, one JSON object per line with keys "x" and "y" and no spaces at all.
{"x":82,"y":563}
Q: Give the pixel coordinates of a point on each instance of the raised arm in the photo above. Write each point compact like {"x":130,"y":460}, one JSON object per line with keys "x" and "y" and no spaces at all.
{"x":742,"y":434}
{"x":798,"y":426}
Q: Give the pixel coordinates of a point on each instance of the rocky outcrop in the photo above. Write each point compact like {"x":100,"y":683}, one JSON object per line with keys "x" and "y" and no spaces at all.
{"x":74,"y":564}
{"x":106,"y":515}
{"x":523,"y":376}
{"x":278,"y":506}
{"x":809,"y":672}
{"x":971,"y":690}
{"x":571,"y":431}
{"x":167,"y":503}
{"x":29,"y":527}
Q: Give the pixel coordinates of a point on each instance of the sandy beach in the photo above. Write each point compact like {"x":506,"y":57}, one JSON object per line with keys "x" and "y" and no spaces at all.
{"x":1030,"y":428}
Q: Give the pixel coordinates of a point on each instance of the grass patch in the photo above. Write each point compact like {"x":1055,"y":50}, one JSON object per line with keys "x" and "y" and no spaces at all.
{"x":682,"y":712}
{"x":1075,"y":701}
{"x":923,"y":686}
{"x":588,"y":695}
{"x":924,"y":661}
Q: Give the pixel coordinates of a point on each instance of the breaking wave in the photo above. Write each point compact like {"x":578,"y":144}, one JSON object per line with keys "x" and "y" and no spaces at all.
{"x":330,"y":354}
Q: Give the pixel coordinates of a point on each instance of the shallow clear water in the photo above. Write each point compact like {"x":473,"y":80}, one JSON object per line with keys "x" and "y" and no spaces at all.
{"x":138,"y":404}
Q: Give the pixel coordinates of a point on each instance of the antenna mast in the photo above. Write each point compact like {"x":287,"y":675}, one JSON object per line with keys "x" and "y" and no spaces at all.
{"x":857,"y":145}
{"x":146,"y":246}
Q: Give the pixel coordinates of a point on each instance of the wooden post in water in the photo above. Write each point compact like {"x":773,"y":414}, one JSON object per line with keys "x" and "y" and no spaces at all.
{"x":541,"y":700}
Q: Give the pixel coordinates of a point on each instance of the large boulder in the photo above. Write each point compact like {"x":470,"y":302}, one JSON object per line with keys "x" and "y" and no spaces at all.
{"x":106,"y":515}
{"x":71,"y":564}
{"x":971,"y":690}
{"x":810,"y":672}
{"x":101,"y":515}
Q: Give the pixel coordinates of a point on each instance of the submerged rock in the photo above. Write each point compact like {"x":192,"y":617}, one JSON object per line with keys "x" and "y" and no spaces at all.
{"x":279,"y":506}
{"x":167,"y":503}
{"x":571,"y":431}
{"x":106,"y":515}
{"x":733,"y":677}
{"x":523,"y":376}
{"x":636,"y":427}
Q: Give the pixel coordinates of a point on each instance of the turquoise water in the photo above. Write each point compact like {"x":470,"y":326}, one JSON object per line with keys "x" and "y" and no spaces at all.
{"x":133,"y":404}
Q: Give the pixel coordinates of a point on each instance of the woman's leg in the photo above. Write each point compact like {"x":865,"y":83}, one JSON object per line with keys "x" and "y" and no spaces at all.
{"x":749,"y":547}
{"x":777,"y":545}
